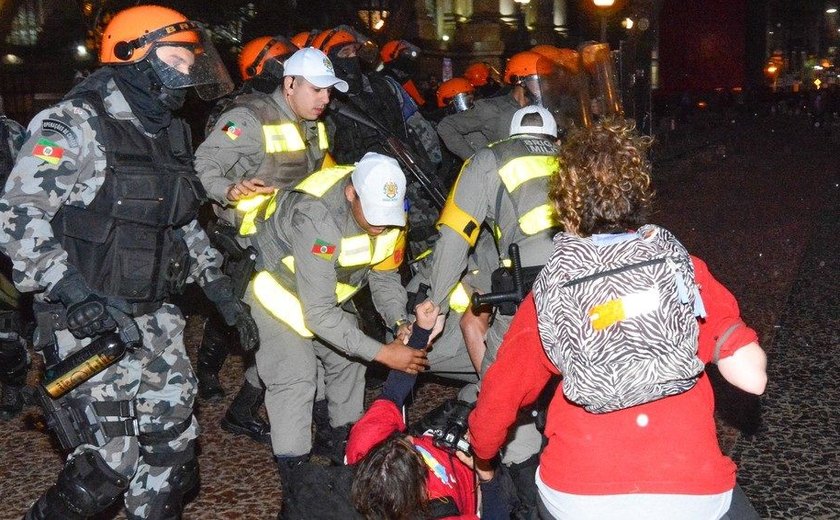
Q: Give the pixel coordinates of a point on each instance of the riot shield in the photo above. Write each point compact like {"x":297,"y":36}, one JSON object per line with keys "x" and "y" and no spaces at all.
{"x":597,"y":65}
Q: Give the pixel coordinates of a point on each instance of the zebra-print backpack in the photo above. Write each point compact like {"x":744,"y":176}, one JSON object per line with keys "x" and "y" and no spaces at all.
{"x":618,"y":316}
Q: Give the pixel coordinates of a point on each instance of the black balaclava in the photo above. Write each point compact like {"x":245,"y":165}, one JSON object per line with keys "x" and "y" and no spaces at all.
{"x":150,"y":101}
{"x":350,"y":70}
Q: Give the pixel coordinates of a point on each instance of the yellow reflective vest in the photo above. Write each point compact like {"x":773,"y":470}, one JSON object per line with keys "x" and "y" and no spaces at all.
{"x":275,"y":286}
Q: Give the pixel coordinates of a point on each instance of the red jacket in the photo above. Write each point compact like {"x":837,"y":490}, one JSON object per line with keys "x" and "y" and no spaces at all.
{"x":665,"y":446}
{"x":446,"y":476}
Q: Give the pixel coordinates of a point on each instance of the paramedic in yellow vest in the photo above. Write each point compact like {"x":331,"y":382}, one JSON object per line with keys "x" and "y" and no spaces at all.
{"x":262,"y":142}
{"x":336,"y":231}
{"x":505,"y":185}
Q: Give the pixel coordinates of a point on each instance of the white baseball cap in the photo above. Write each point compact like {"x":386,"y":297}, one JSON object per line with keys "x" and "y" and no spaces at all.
{"x":380,"y":184}
{"x":315,"y":68}
{"x":548,"y":127}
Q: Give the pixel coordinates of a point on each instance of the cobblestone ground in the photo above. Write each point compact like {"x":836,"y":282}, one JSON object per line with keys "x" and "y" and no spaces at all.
{"x":756,"y":197}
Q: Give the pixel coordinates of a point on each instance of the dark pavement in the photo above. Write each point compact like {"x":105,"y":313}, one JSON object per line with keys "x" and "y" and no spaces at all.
{"x":757,"y":198}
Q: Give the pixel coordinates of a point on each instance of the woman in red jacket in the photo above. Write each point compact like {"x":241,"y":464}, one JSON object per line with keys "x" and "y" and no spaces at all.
{"x":658,"y":460}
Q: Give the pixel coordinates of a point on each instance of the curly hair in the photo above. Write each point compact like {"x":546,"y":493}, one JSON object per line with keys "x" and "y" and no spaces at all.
{"x":603,"y":183}
{"x":390,"y":482}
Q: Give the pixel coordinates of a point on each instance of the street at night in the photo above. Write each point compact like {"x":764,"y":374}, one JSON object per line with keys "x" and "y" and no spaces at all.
{"x":757,"y":198}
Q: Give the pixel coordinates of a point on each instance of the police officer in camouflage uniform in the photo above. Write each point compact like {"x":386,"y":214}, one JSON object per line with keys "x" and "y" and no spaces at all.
{"x":333,"y":233}
{"x":488,"y":121}
{"x":99,"y":216}
{"x":266,"y":139}
{"x":14,"y":359}
{"x":506,"y":185}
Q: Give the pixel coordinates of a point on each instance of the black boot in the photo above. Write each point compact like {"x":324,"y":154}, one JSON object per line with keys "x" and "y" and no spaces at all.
{"x":11,"y":401}
{"x":287,"y":467}
{"x":243,"y":415}
{"x":211,"y":356}
{"x":332,"y":443}
{"x":524,"y":480}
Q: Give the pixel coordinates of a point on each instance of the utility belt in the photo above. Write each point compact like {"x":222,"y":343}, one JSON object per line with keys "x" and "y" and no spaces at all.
{"x":52,"y":317}
{"x":80,"y":420}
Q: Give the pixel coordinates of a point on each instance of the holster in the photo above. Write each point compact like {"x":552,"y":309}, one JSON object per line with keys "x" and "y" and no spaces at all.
{"x":78,"y":421}
{"x":501,"y":281}
{"x":239,"y":261}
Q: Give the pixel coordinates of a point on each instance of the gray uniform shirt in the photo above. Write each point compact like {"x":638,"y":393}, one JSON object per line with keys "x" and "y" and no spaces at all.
{"x":61,"y":162}
{"x":302,"y":221}
{"x":476,"y":193}
{"x":489,"y":117}
{"x":228,"y":155}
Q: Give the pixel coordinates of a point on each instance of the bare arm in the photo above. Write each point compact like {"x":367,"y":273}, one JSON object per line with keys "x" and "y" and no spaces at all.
{"x":746,"y":368}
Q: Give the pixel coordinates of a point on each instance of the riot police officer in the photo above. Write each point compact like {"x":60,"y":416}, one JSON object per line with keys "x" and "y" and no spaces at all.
{"x":99,"y":217}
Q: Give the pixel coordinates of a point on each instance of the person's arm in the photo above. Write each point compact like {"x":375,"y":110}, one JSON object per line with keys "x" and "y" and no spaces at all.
{"x":398,"y":384}
{"x":514,"y":381}
{"x":388,"y":294}
{"x":234,"y":147}
{"x":453,"y":130}
{"x":450,"y":251}
{"x":315,"y":274}
{"x":58,"y":155}
{"x":725,"y":339}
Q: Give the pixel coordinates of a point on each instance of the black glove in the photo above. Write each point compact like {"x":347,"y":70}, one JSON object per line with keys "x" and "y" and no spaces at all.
{"x":87,"y":313}
{"x":235,"y":312}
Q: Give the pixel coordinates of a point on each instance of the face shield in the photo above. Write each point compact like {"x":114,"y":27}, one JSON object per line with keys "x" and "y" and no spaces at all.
{"x":461,"y":102}
{"x":191,"y":61}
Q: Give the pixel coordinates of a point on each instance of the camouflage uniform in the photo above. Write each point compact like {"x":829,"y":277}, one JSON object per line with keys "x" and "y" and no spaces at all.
{"x":62,"y":163}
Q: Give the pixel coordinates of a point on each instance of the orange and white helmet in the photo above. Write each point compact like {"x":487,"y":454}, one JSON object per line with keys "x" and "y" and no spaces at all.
{"x":179,"y":50}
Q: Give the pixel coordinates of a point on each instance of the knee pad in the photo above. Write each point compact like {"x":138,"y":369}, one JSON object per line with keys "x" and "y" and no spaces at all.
{"x":183,"y":478}
{"x":85,"y":487}
{"x":14,"y":361}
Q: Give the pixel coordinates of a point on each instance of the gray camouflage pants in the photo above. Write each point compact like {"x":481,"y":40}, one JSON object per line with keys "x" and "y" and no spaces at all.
{"x":159,"y":378}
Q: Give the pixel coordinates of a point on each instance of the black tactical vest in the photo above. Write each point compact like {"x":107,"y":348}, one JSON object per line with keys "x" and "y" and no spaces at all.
{"x":126,"y":243}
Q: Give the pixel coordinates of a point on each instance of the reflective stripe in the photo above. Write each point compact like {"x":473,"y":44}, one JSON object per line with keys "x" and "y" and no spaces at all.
{"x":459,"y":300}
{"x":280,"y":302}
{"x":395,"y":260}
{"x":250,"y":208}
{"x":423,"y":255}
{"x":323,"y":141}
{"x":384,"y":245}
{"x":321,"y":181}
{"x":355,"y":250}
{"x":538,"y":219}
{"x":343,"y":291}
{"x":285,"y":306}
{"x":283,"y":138}
{"x":525,"y":168}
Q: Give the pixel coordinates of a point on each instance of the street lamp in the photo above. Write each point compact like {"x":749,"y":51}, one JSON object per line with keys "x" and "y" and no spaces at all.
{"x":603,"y":5}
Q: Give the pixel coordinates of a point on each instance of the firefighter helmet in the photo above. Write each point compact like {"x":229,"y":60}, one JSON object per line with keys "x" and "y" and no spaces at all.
{"x":396,"y":48}
{"x":450,"y":90}
{"x":180,"y":51}
{"x":129,"y":35}
{"x":478,"y":74}
{"x":525,"y":64}
{"x":333,"y":39}
{"x":305,"y":38}
{"x":257,"y":52}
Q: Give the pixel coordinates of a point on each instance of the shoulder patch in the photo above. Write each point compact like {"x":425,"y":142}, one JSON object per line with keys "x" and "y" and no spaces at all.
{"x":48,"y":151}
{"x":323,"y":250}
{"x":53,"y":126}
{"x":232,"y":130}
